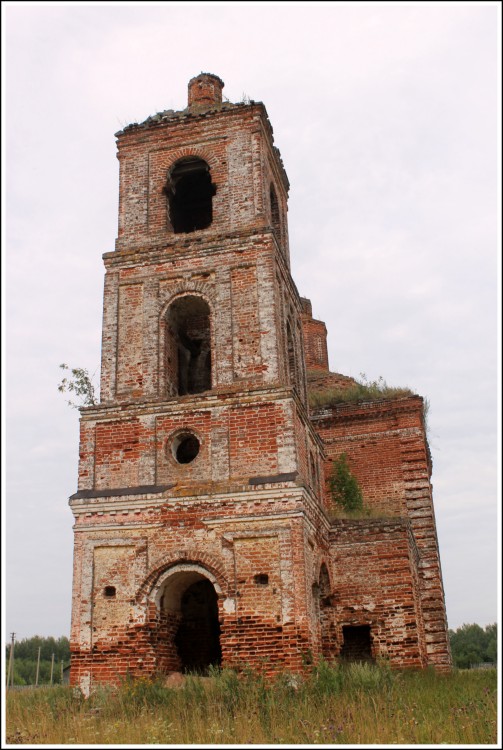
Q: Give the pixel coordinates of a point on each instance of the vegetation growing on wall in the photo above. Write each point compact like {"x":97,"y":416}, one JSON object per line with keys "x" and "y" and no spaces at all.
{"x":81,"y":384}
{"x":362,"y":390}
{"x":344,"y":488}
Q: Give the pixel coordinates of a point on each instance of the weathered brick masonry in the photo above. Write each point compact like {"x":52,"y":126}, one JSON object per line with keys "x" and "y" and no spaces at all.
{"x":202,"y":521}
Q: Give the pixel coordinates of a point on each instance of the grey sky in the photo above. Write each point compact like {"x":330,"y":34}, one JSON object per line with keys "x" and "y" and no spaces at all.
{"x":387,"y":119}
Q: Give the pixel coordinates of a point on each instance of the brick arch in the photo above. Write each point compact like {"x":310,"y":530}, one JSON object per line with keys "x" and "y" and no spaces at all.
{"x":160,"y":164}
{"x":324,"y":565}
{"x":192,"y":151}
{"x":317,"y":568}
{"x":203,"y":560}
{"x":185,"y":288}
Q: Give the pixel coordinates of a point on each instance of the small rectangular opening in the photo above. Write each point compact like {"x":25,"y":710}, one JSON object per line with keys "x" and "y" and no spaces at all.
{"x":357,"y":643}
{"x":261,"y":579}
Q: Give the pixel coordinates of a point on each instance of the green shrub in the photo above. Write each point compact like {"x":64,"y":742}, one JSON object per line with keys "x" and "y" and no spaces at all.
{"x":367,"y":676}
{"x":326,"y":679}
{"x":344,"y":487}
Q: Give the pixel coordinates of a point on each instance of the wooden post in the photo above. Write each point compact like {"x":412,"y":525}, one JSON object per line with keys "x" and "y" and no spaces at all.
{"x":10,"y":671}
{"x":38,"y":666}
{"x":52,"y":667}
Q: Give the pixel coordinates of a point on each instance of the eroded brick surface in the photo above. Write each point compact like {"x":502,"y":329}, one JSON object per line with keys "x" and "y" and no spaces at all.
{"x":203,"y":529}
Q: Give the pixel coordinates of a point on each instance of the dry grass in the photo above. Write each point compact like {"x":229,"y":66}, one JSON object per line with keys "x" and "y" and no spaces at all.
{"x":360,"y":704}
{"x":362,"y":390}
{"x":336,"y":512}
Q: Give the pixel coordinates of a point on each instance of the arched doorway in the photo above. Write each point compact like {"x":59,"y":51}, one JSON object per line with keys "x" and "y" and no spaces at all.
{"x":198,"y":636}
{"x":187,"y":597}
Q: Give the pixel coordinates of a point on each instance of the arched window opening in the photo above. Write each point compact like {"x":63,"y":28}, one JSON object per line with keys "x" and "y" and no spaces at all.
{"x":314,"y":472}
{"x":292,"y":362}
{"x":190,"y":192}
{"x":275,"y":216}
{"x":324,"y":586}
{"x":316,"y":600}
{"x":188,"y":346}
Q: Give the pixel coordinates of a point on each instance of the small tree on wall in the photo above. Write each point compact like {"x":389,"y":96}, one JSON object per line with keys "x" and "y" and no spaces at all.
{"x":80,"y":383}
{"x":344,"y":487}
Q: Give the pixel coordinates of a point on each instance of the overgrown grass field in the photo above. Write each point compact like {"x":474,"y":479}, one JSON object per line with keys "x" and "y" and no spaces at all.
{"x":356,"y":704}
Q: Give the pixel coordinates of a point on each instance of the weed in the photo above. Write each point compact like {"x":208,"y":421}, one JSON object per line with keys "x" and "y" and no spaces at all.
{"x":361,"y":390}
{"x":328,"y":704}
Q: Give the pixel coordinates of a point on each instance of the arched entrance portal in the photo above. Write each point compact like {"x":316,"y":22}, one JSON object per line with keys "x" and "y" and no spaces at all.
{"x":187,"y":597}
{"x":198,"y":637}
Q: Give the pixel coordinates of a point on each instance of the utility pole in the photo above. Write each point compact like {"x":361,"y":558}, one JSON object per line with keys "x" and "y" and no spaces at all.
{"x":38,"y":665}
{"x":10,"y":671}
{"x":52,"y":667}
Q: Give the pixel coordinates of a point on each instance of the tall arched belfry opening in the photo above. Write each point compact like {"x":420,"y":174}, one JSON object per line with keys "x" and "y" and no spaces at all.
{"x":203,"y":525}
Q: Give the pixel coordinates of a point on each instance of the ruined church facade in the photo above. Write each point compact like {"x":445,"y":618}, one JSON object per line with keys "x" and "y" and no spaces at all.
{"x":204,"y":531}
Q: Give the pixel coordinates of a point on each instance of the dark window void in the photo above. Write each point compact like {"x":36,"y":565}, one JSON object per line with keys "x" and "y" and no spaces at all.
{"x":326,"y":613}
{"x":292,"y":360}
{"x":357,"y":644}
{"x":198,"y":636}
{"x":186,"y":448}
{"x":324,"y":586}
{"x":188,"y":346}
{"x":190,"y":193}
{"x":262,"y":579}
{"x":275,"y":219}
{"x":314,"y":473}
{"x":109,"y":592}
{"x":316,"y":599}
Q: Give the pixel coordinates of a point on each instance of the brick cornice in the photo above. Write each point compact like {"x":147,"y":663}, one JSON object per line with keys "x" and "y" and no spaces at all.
{"x":204,"y":241}
{"x":364,"y":410}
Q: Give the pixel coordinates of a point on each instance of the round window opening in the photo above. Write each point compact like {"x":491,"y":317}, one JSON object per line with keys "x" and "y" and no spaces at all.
{"x":185,"y":448}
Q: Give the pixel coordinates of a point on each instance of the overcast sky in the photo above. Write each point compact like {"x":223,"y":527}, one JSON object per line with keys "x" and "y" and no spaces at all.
{"x":387,"y":120}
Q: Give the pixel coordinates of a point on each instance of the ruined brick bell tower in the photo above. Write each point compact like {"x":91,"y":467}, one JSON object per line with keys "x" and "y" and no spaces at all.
{"x":203,"y":533}
{"x":199,"y":471}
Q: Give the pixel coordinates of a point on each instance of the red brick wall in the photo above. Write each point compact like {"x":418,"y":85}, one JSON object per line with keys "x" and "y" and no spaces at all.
{"x":262,"y":609}
{"x":387,"y":451}
{"x":315,"y":339}
{"x":373,"y":564}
